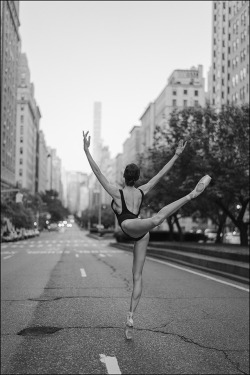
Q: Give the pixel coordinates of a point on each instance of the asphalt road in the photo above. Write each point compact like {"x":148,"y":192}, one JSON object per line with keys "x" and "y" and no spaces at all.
{"x":65,"y":298}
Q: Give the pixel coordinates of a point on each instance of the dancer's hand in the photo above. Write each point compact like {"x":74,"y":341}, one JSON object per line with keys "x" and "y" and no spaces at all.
{"x":86,"y":141}
{"x":180,"y":148}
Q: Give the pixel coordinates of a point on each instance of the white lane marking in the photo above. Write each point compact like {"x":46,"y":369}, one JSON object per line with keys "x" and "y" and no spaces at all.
{"x":102,"y":255}
{"x":8,"y":256}
{"x":111,"y":364}
{"x":200,"y":274}
{"x":83,"y":273}
{"x":77,"y":255}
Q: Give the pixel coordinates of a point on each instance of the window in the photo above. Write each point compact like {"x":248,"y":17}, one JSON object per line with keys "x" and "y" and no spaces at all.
{"x":222,"y":95}
{"x":22,"y":119}
{"x":196,"y":92}
{"x":21,"y":139}
{"x":215,"y":17}
{"x":236,"y":79}
{"x":185,"y":92}
{"x":228,"y":63}
{"x":223,"y":69}
{"x":21,"y":150}
{"x":22,"y":108}
{"x":228,"y":90}
{"x":174,"y":92}
{"x":223,"y":43}
{"x":174,"y":102}
{"x":228,"y":76}
{"x":21,"y":129}
{"x":196,"y":103}
{"x":229,"y":49}
{"x":222,"y":82}
{"x":20,"y":172}
{"x":185,"y":103}
{"x":21,"y":161}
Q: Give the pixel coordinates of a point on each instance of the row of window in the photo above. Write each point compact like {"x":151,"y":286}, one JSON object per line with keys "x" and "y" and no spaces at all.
{"x":185,"y":92}
{"x":185,"y":103}
{"x":240,"y":77}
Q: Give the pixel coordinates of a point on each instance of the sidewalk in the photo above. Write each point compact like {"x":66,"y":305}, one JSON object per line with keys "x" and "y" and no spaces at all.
{"x":225,"y":260}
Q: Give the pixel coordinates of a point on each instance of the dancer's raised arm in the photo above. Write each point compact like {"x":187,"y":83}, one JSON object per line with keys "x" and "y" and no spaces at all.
{"x":151,"y":183}
{"x":111,"y":189}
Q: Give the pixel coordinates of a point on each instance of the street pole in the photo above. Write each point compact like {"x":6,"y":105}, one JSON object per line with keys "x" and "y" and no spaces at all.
{"x":100,"y":208}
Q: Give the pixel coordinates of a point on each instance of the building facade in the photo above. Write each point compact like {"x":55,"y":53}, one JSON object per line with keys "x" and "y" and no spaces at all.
{"x":97,"y":132}
{"x":230,"y":53}
{"x":10,"y":40}
{"x":185,"y":88}
{"x":42,"y":169}
{"x":27,"y":129}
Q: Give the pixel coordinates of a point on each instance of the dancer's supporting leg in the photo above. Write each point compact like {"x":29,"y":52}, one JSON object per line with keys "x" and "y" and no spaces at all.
{"x":140,"y":249}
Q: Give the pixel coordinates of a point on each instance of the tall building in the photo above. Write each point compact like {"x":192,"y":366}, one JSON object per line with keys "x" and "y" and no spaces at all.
{"x":42,"y":169}
{"x":185,"y":88}
{"x":132,"y":146}
{"x":27,"y":129}
{"x":77,"y":192}
{"x":230,"y":53}
{"x":9,"y":71}
{"x":97,"y":132}
{"x":54,"y":172}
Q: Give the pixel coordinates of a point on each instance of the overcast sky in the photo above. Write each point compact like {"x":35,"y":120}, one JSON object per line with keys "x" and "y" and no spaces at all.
{"x":120,"y":53}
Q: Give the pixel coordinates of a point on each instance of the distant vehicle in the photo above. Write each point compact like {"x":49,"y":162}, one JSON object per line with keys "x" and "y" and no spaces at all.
{"x":69,"y":225}
{"x":53,"y":226}
{"x":211,"y":234}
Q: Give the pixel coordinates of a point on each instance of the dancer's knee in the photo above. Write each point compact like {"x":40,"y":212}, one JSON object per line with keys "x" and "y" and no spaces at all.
{"x":158,"y":219}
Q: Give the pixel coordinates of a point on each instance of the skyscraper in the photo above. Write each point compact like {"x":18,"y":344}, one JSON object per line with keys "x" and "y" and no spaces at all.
{"x":230,"y":53}
{"x":97,"y":132}
{"x":9,"y":70}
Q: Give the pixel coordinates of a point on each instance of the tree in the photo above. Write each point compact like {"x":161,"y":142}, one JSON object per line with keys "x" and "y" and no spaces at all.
{"x":219,"y":147}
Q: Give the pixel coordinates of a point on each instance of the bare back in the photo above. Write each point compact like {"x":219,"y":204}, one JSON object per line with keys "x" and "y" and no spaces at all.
{"x":132,"y":197}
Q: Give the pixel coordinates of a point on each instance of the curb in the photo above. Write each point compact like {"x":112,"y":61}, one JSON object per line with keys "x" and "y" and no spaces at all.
{"x":231,"y":269}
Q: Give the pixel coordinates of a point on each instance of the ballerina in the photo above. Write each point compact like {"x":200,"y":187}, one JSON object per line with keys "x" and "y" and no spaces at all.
{"x":126,"y":204}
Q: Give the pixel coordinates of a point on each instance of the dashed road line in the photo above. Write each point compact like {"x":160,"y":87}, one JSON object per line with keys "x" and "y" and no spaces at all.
{"x":111,"y":364}
{"x":83,"y":273}
{"x":8,"y":256}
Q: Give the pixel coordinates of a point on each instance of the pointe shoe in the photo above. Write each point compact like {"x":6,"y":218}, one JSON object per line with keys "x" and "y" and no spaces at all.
{"x":200,"y":187}
{"x":129,"y":327}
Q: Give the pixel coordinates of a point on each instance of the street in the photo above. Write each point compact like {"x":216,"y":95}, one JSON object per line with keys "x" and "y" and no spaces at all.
{"x":64,"y":301}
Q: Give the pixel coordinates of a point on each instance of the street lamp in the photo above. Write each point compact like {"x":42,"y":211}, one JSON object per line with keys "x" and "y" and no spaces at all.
{"x":50,"y":156}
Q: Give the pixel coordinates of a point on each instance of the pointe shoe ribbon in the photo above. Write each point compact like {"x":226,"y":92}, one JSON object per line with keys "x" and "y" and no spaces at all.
{"x":200,"y":187}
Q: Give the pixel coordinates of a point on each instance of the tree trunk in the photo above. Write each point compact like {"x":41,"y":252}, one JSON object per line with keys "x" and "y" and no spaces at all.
{"x":222,"y":220}
{"x":171,"y":231}
{"x":243,"y":234}
{"x":179,"y":227}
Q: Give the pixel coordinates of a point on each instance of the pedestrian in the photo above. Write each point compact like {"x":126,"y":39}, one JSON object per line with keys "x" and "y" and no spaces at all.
{"x":126,"y":204}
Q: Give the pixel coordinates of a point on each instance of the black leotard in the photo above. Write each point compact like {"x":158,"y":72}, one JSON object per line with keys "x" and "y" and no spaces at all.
{"x":126,"y":214}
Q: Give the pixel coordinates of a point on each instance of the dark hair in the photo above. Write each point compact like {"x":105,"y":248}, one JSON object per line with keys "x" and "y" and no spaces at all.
{"x":131,"y":174}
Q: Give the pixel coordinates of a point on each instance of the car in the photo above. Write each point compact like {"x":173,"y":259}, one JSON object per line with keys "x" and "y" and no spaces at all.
{"x":211,"y":235}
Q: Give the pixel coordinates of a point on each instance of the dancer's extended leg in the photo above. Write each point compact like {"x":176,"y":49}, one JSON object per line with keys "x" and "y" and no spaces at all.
{"x":138,"y":227}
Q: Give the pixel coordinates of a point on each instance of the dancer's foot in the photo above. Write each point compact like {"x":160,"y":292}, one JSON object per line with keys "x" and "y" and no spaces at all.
{"x":200,"y":187}
{"x":129,"y":326}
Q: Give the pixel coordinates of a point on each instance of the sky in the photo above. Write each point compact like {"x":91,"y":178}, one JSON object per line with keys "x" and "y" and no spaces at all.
{"x":119,"y":53}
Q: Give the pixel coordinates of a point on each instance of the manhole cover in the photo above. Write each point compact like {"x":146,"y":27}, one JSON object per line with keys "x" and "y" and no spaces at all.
{"x":38,"y":331}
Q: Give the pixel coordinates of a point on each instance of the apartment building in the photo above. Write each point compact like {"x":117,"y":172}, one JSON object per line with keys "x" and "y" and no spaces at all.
{"x":230,"y":53}
{"x":185,"y":88}
{"x":132,"y":147}
{"x":42,"y":163}
{"x":27,"y":129}
{"x":9,"y":75}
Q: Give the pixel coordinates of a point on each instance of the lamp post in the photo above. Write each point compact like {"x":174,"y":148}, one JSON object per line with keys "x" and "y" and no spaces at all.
{"x":50,"y":156}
